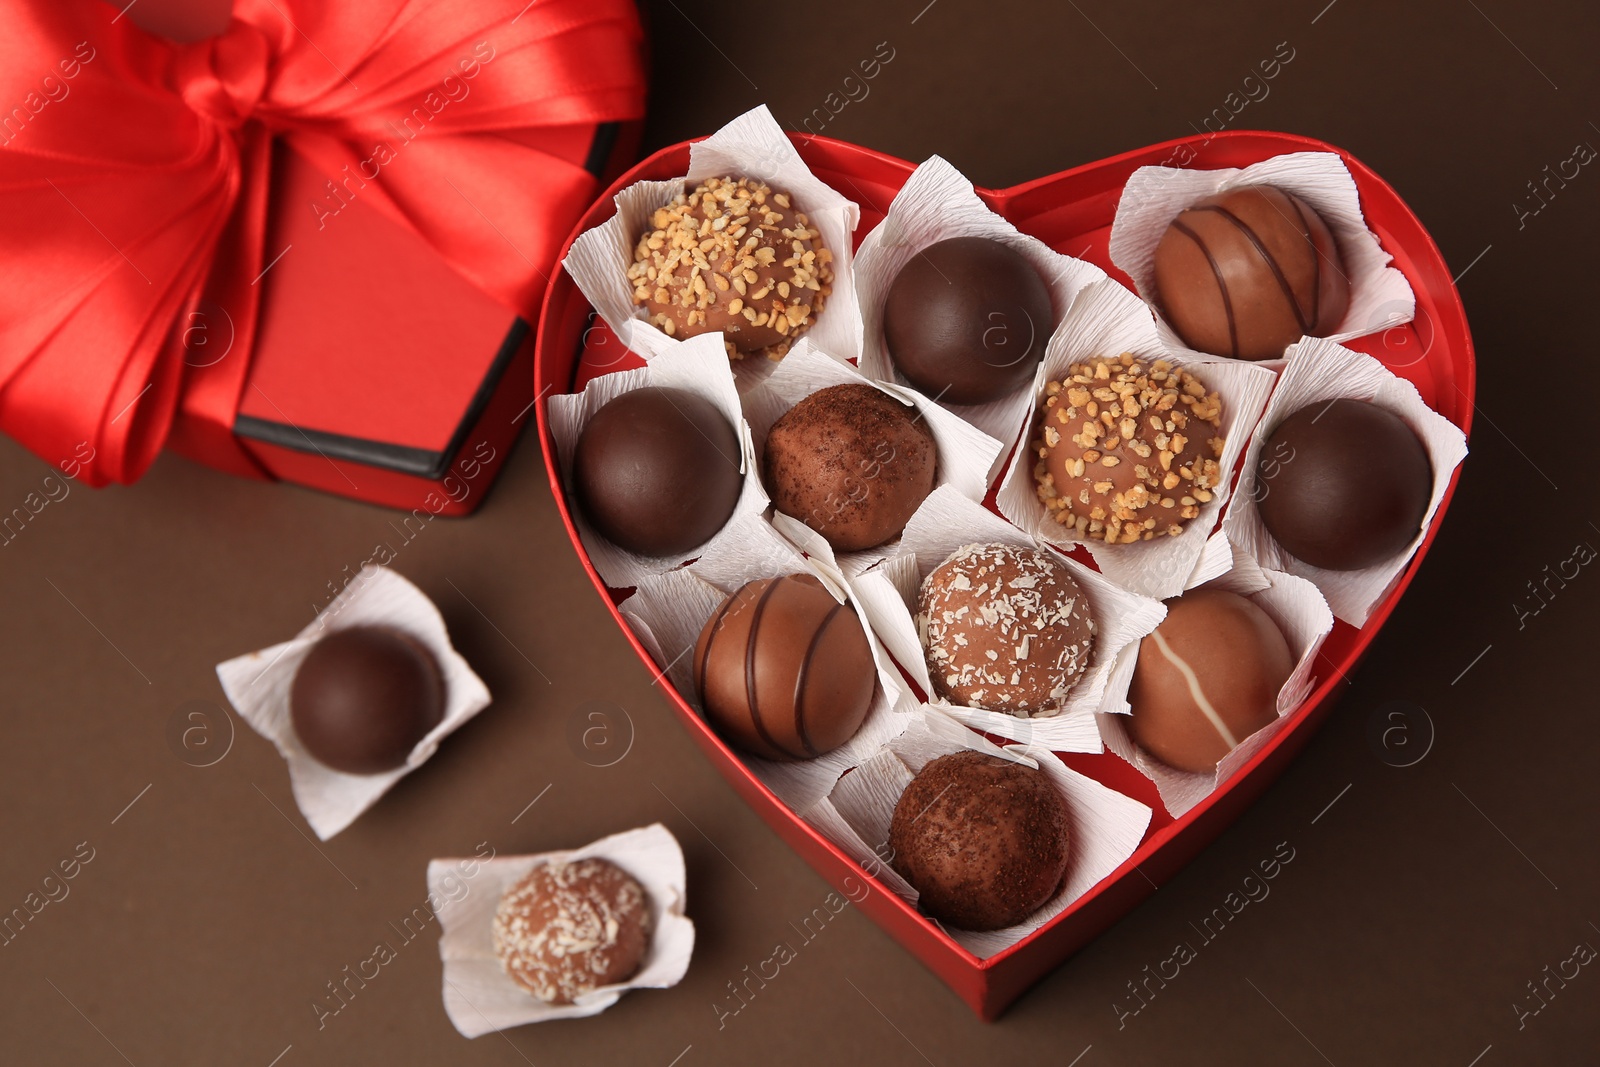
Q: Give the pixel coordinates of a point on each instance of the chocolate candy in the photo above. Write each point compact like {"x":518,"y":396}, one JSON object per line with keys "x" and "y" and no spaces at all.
{"x":1005,"y":629}
{"x":363,"y":697}
{"x":1343,"y":484}
{"x":657,"y":471}
{"x":966,"y":320}
{"x":783,"y":670}
{"x":1206,"y":679}
{"x":733,"y":256}
{"x":983,"y":840}
{"x":569,"y":928}
{"x":1248,"y":272}
{"x":1127,"y":451}
{"x":852,"y":463}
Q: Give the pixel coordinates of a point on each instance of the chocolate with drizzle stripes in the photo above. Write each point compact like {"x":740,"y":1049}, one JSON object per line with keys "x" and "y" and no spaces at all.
{"x":783,"y":670}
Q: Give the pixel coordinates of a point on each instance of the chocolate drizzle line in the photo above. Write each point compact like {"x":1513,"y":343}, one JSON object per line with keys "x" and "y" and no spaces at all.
{"x":705,"y":656}
{"x":803,"y":677}
{"x":1222,"y":283}
{"x":750,"y":667}
{"x":1266,"y":256}
{"x":1316,"y":261}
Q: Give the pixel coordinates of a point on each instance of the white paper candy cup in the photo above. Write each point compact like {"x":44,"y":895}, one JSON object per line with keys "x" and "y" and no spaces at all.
{"x":1319,"y":371}
{"x":966,"y":453}
{"x":668,"y":611}
{"x":945,"y":522}
{"x":1380,"y":296}
{"x":936,"y":204}
{"x":1303,"y":616}
{"x":699,"y":366}
{"x":1107,"y":320}
{"x":751,"y":146}
{"x":480,"y":997}
{"x":258,"y":684}
{"x":1104,"y":827}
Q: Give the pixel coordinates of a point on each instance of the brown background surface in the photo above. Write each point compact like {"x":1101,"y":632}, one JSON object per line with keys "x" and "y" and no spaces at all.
{"x":1416,"y":909}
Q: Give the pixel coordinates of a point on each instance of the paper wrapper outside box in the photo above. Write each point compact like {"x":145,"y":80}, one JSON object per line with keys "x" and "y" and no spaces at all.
{"x":377,"y":371}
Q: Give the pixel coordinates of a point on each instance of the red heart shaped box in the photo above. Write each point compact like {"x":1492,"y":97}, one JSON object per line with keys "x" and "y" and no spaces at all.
{"x":1071,"y":212}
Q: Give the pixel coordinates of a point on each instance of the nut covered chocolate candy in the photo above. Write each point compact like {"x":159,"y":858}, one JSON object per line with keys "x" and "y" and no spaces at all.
{"x":569,"y":928}
{"x":784,"y":671}
{"x":1127,"y":451}
{"x":733,"y":256}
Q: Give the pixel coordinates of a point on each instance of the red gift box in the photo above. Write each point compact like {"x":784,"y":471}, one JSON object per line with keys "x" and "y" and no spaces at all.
{"x":305,"y":242}
{"x":1071,"y":212}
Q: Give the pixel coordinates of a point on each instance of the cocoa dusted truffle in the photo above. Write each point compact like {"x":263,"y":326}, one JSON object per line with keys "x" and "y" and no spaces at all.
{"x":1343,"y":484}
{"x":967,"y":320}
{"x":983,"y":840}
{"x":569,"y":928}
{"x":735,"y":256}
{"x":657,"y":471}
{"x":1005,"y":629}
{"x":852,"y":463}
{"x":1248,"y":272}
{"x":1127,"y":451}
{"x":784,"y":670}
{"x":1207,"y":678}
{"x":364,"y":696}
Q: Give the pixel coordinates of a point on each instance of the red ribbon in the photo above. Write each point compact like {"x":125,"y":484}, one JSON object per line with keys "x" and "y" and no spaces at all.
{"x":133,"y":172}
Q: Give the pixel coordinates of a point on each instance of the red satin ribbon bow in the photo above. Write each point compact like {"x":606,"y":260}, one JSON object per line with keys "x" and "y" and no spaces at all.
{"x":134,"y":177}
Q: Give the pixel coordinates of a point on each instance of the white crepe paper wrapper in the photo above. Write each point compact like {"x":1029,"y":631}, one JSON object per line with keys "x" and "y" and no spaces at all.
{"x":258,"y":684}
{"x":668,"y":611}
{"x":965,"y":453}
{"x":936,"y":204}
{"x":945,"y":522}
{"x":751,"y":146}
{"x":1104,"y":827}
{"x":480,"y":997}
{"x":1380,"y":296}
{"x":1107,"y":320}
{"x":699,"y":366}
{"x":1304,"y":619}
{"x":1319,"y":371}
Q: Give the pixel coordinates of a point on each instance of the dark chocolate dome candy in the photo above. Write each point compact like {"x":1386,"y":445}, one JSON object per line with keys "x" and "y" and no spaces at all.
{"x":983,"y":840}
{"x":1207,"y":678}
{"x":1248,"y":272}
{"x":657,"y":471}
{"x":364,"y":696}
{"x":784,"y":670}
{"x":852,"y":463}
{"x":1343,"y":484}
{"x":967,"y":320}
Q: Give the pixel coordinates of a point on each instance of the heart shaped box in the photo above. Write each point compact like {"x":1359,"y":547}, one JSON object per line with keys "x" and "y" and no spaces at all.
{"x":1071,"y":212}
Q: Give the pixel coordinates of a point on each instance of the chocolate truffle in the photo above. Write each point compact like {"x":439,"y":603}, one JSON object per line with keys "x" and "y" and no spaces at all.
{"x":364,"y":696}
{"x":1343,"y":484}
{"x":1005,"y":629}
{"x":852,"y":463}
{"x":966,"y":320}
{"x":783,"y":670}
{"x":657,"y":471}
{"x":569,"y":928}
{"x":732,"y":255}
{"x":983,"y":840}
{"x":1206,"y":679}
{"x":1248,"y":272}
{"x":1127,"y":451}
